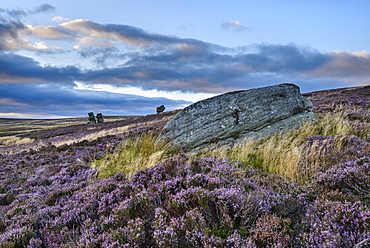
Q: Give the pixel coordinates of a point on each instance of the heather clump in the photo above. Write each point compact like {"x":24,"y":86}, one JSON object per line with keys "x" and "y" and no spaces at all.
{"x":335,"y":224}
{"x":323,"y":152}
{"x":337,"y":211}
{"x":350,"y":178}
{"x":272,"y":231}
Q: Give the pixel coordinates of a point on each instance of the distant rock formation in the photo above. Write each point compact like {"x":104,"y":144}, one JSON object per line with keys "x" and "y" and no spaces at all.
{"x":92,"y":119}
{"x":100,"y":118}
{"x":229,"y":118}
{"x":160,"y":109}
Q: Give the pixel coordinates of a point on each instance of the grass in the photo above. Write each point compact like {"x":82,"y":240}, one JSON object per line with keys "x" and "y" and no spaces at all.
{"x":14,"y":140}
{"x":93,"y":136}
{"x":289,"y":154}
{"x":136,"y":153}
{"x":286,"y":154}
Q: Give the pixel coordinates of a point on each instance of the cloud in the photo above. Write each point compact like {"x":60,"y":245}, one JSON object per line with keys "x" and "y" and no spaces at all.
{"x":93,"y":42}
{"x":60,"y":19}
{"x":30,"y":116}
{"x":43,"y":8}
{"x":10,"y":39}
{"x":10,"y":102}
{"x":56,"y":99}
{"x":48,"y":32}
{"x":234,"y":25}
{"x":345,"y":65}
{"x":17,"y":68}
{"x":13,"y":32}
{"x":174,"y":95}
{"x":14,"y":36}
{"x":123,"y":33}
{"x":19,"y":13}
{"x":101,"y":56}
{"x":12,"y":14}
{"x":197,"y":67}
{"x":203,"y":68}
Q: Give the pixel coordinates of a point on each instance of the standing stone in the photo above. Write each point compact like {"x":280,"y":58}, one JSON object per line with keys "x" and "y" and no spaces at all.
{"x":100,"y":118}
{"x":91,"y":118}
{"x":160,"y":109}
{"x":231,"y":117}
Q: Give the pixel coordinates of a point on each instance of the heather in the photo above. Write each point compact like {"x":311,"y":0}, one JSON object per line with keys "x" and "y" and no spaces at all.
{"x":75,"y":188}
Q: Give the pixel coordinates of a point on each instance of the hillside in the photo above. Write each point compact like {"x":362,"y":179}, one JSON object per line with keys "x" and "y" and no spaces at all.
{"x":64,"y":183}
{"x":21,"y":134}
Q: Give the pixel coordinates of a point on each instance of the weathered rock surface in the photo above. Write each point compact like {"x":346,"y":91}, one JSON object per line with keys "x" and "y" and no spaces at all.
{"x":231,"y":117}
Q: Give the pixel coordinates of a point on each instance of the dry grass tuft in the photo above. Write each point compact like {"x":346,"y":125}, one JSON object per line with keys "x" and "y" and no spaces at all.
{"x":286,"y":154}
{"x":93,"y":136}
{"x":14,"y":140}
{"x":135,"y":153}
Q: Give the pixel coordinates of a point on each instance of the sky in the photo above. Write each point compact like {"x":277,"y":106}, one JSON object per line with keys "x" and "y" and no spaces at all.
{"x":67,"y":58}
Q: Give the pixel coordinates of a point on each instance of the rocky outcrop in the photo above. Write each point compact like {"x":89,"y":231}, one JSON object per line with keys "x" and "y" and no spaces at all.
{"x":231,"y":117}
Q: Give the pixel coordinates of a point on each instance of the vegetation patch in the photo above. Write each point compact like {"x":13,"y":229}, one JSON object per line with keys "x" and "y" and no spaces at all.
{"x":135,"y":153}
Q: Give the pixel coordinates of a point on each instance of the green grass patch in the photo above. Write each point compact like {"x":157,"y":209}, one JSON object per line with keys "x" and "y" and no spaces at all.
{"x":136,"y":153}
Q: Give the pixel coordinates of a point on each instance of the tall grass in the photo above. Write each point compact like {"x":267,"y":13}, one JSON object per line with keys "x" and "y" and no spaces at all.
{"x":289,"y":154}
{"x":136,"y":153}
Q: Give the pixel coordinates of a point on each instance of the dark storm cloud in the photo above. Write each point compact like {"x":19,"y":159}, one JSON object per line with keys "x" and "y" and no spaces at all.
{"x":191,"y":63}
{"x":22,"y":69}
{"x":57,"y":99}
{"x":189,"y":67}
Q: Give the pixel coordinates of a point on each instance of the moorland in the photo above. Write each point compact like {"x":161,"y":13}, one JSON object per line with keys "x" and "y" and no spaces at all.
{"x":64,"y":183}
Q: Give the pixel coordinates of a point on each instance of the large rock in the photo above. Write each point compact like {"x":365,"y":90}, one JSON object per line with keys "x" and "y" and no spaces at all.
{"x":229,"y":118}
